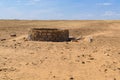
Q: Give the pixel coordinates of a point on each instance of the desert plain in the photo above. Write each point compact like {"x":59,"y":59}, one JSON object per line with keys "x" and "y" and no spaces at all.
{"x":21,"y":59}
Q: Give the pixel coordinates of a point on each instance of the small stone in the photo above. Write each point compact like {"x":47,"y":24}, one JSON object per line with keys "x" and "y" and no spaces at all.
{"x":78,"y":56}
{"x":34,"y":63}
{"x":108,"y":49}
{"x":71,"y":78}
{"x":32,"y":53}
{"x":12,"y":69}
{"x":2,"y":39}
{"x":118,"y":68}
{"x":83,"y":55}
{"x":14,"y":40}
{"x":77,"y":61}
{"x":13,"y":34}
{"x":108,"y":55}
{"x":95,"y":51}
{"x":62,"y":53}
{"x":27,"y":64}
{"x":90,"y":39}
{"x":83,"y":62}
{"x":46,"y":57}
{"x":75,"y":41}
{"x":71,"y":38}
{"x":25,"y":39}
{"x":91,"y":58}
{"x":67,"y":43}
{"x":54,"y":76}
{"x":105,"y":70}
{"x":79,"y":38}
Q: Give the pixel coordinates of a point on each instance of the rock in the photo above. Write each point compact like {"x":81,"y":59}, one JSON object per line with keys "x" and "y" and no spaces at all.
{"x":7,"y":69}
{"x":105,"y":70}
{"x":14,"y":40}
{"x":25,"y":39}
{"x":83,"y":62}
{"x":71,"y":78}
{"x":118,"y":68}
{"x":90,"y":39}
{"x":54,"y":76}
{"x":74,"y":41}
{"x":91,"y":58}
{"x":79,"y":38}
{"x":2,"y":39}
{"x":34,"y":63}
{"x":71,"y":38}
{"x":13,"y":34}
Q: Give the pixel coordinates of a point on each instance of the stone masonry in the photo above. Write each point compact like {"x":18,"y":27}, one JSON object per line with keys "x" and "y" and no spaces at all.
{"x":48,"y":34}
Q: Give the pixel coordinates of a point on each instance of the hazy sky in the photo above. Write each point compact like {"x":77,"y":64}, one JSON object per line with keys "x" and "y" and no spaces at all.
{"x":60,"y":9}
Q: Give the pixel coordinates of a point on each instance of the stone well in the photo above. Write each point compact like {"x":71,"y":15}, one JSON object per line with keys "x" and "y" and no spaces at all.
{"x":48,"y":34}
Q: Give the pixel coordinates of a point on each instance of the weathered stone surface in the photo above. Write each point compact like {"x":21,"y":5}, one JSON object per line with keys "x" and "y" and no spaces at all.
{"x":46,"y":34}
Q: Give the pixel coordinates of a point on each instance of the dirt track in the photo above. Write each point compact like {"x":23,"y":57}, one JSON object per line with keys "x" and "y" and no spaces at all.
{"x":28,"y":60}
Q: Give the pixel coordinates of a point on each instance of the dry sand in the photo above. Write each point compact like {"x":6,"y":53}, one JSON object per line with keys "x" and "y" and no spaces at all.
{"x":29,"y":60}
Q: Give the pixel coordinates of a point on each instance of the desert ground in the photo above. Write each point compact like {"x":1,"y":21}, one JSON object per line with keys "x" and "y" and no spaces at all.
{"x":74,"y":60}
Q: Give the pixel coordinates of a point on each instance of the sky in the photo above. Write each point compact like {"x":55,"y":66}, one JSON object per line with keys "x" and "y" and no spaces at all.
{"x":60,"y":9}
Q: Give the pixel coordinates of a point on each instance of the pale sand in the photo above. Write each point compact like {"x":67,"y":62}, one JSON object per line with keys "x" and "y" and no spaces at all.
{"x":29,"y":60}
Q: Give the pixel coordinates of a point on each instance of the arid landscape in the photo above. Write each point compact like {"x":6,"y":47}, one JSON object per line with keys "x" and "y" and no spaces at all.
{"x":21,"y":59}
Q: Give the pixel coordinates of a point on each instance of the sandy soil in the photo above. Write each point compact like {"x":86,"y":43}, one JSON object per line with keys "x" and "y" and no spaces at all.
{"x":82,"y":60}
